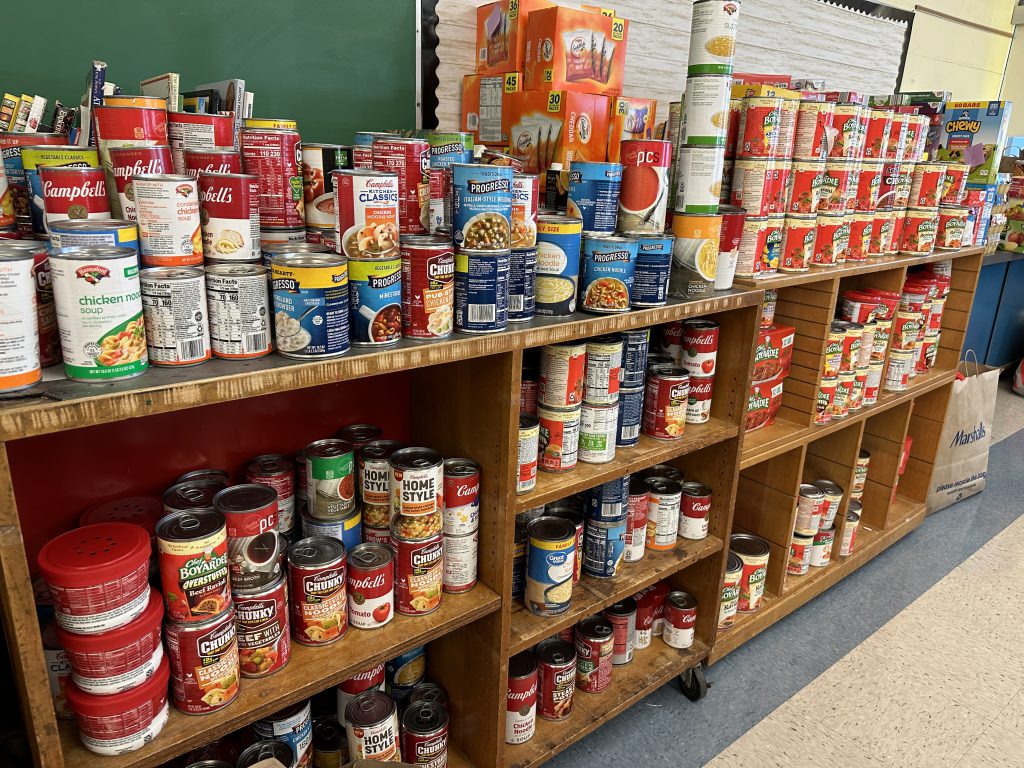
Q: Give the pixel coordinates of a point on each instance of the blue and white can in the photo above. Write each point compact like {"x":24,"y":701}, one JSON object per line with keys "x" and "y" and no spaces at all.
{"x":653,"y":265}
{"x":558,"y":264}
{"x":608,"y":500}
{"x":594,"y":194}
{"x":550,"y":565}
{"x":310,"y":305}
{"x":481,"y":290}
{"x":522,"y":285}
{"x":375,"y":300}
{"x":348,"y":530}
{"x":482,"y":206}
{"x":634,"y":357}
{"x":631,"y":414}
{"x":66,"y":233}
{"x":449,"y":147}
{"x":609,"y":262}
{"x":604,"y":547}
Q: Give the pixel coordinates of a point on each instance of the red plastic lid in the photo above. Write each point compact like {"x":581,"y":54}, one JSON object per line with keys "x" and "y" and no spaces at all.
{"x":882,"y":294}
{"x":112,"y":639}
{"x":140,"y":510}
{"x":94,"y":554}
{"x":91,"y":705}
{"x":861,"y":296}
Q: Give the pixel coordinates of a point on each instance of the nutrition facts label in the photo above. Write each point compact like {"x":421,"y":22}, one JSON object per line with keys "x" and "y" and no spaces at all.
{"x":176,"y":329}
{"x":491,"y":93}
{"x":239,"y":315}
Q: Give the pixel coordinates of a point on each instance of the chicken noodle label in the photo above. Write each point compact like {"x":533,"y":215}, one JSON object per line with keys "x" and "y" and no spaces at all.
{"x":319,"y":605}
{"x":608,"y":267}
{"x":366,"y":207}
{"x":99,"y":311}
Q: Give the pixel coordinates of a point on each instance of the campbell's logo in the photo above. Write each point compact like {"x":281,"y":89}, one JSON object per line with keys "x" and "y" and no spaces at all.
{"x":525,"y":696}
{"x":465,"y":491}
{"x":325,"y":583}
{"x":703,"y":341}
{"x":704,"y":507}
{"x":92,"y":273}
{"x":427,"y":557}
{"x":137,"y":168}
{"x":730,"y":8}
{"x":218,"y":195}
{"x":487,"y":187}
{"x":87,"y":189}
{"x":217,"y":642}
{"x":255,"y":611}
{"x":441,"y":268}
{"x":374,"y":582}
{"x":700,"y":387}
{"x":607,"y":257}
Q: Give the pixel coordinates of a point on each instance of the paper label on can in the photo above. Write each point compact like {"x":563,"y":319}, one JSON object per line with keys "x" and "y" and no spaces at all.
{"x":366,"y":214}
{"x":311,"y":310}
{"x":375,"y":300}
{"x":239,"y":318}
{"x":177,"y":331}
{"x":19,"y":325}
{"x":230,"y":217}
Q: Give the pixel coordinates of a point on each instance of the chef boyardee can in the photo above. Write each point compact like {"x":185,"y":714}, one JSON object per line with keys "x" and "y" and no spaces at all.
{"x":651,"y":273}
{"x":375,"y":300}
{"x":481,"y":290}
{"x":482,"y":206}
{"x":604,"y":545}
{"x":550,"y":563}
{"x":558,"y":264}
{"x":522,"y":285}
{"x":594,"y":194}
{"x":608,"y":264}
{"x":310,"y":305}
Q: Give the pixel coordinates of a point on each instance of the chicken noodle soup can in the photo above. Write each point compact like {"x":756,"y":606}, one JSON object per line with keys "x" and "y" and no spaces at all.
{"x":204,"y":663}
{"x":262,"y":628}
{"x":366,"y":213}
{"x":239,"y":308}
{"x":174,"y":308}
{"x":594,"y":194}
{"x":481,"y":290}
{"x":713,"y":37}
{"x":608,"y":265}
{"x":428,"y":286}
{"x":317,"y":579}
{"x":550,"y":565}
{"x":522,"y":285}
{"x":460,"y":563}
{"x":419,"y":574}
{"x":99,"y":310}
{"x":311,"y":305}
{"x":694,"y":255}
{"x":169,"y":223}
{"x":73,"y":193}
{"x":19,"y":321}
{"x":558,"y":248}
{"x":127,"y":162}
{"x":371,"y":585}
{"x":230,"y":216}
{"x":643,"y":198}
{"x":525,"y":198}
{"x":753,"y":551}
{"x":330,"y":482}
{"x":482,"y":206}
{"x":521,"y":698}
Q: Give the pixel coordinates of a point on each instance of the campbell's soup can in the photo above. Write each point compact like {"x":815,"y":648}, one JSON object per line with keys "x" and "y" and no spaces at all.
{"x":521,"y":698}
{"x":275,"y":156}
{"x":622,"y":617}
{"x":133,"y":161}
{"x":409,"y":159}
{"x":425,"y":734}
{"x":372,"y":679}
{"x":18,"y":194}
{"x":753,"y":551}
{"x":214,"y":160}
{"x":229,"y":214}
{"x":198,"y":131}
{"x":73,"y":193}
{"x":366,"y":216}
{"x":665,"y":403}
{"x":699,"y":347}
{"x":317,"y":577}
{"x":694,"y":255}
{"x":34,"y":158}
{"x":556,"y":678}
{"x":695,"y":511}
{"x":728,"y":245}
{"x":419,"y":574}
{"x":643,"y":198}
{"x":525,"y":198}
{"x":125,"y":127}
{"x":428,"y":286}
{"x":680,"y":620}
{"x":371,"y":726}
{"x":461,"y":496}
{"x":170,"y":234}
{"x":204,"y":662}
{"x":637,"y":501}
{"x":262,"y":628}
{"x":595,"y":643}
{"x":371,"y":585}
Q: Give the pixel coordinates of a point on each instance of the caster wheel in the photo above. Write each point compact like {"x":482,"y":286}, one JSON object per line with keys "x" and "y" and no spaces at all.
{"x":693,"y":683}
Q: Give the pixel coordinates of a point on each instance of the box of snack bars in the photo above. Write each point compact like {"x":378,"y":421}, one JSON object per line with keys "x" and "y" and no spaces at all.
{"x":501,"y":34}
{"x":574,"y":50}
{"x":974,"y":132}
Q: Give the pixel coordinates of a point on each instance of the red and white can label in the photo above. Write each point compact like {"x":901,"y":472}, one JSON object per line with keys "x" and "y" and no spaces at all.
{"x":461,"y":504}
{"x":593,"y":663}
{"x":319,"y":603}
{"x":70,"y":192}
{"x":133,"y":161}
{"x":410,"y":160}
{"x":230,"y":214}
{"x":261,"y":625}
{"x":366,"y":214}
{"x":198,"y":161}
{"x":556,"y":684}
{"x":275,"y":156}
{"x":698,"y":402}
{"x":371,"y":679}
{"x":521,"y":709}
{"x":562,"y":375}
{"x":700,"y":348}
{"x":204,"y":664}
{"x":460,"y":562}
{"x":679,"y":625}
{"x":694,"y":514}
{"x":419,"y":570}
{"x":371,"y":595}
{"x":428,"y":290}
{"x":196,"y":130}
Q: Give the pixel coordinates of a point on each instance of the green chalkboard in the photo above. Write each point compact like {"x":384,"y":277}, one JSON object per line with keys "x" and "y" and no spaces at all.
{"x":336,"y":66}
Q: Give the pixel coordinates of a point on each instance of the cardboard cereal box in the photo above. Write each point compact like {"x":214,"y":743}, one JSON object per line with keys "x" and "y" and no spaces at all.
{"x":574,"y":50}
{"x":629,"y":118}
{"x":974,"y":132}
{"x":501,"y":34}
{"x":482,"y":101}
{"x":545,"y":127}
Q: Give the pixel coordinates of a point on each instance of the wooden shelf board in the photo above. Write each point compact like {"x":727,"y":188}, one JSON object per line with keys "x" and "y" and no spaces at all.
{"x":869,"y":543}
{"x":592,"y":595}
{"x":651,"y":667}
{"x":878,"y":264}
{"x":58,"y":404}
{"x":555,"y":486}
{"x":310,"y":670}
{"x":782,"y":436}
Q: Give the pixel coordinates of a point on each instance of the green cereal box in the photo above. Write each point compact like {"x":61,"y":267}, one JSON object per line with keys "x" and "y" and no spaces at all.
{"x":974,"y":132}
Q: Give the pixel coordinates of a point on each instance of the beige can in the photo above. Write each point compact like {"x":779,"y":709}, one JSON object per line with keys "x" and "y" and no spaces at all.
{"x":699,"y":179}
{"x":706,"y":113}
{"x":170,"y":234}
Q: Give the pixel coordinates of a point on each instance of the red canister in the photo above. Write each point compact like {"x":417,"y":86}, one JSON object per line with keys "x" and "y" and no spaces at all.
{"x":419,"y":572}
{"x":371,"y":679}
{"x":760,"y":127}
{"x":954,"y":184}
{"x":695,"y":511}
{"x":556,"y":678}
{"x":698,"y":403}
{"x":925,"y":185}
{"x":126,"y":127}
{"x":317,"y":576}
{"x":277,"y":471}
{"x":262,"y":629}
{"x":428,"y":286}
{"x":132,"y":161}
{"x":275,"y":156}
{"x":229,"y":205}
{"x":877,"y":137}
{"x":650,"y":606}
{"x":894,"y":146}
{"x":199,"y":131}
{"x":831,"y":241}
{"x":813,"y":121}
{"x":594,"y":644}
{"x":193,"y":549}
{"x":643,"y":195}
{"x":869,"y":181}
{"x":521,"y":698}
{"x":680,"y":620}
{"x":859,"y":306}
{"x":204,"y":663}
{"x":215,"y":160}
{"x":73,"y":192}
{"x":409,"y":159}
{"x":371,"y":585}
{"x":806,"y":182}
{"x":836,"y":185}
{"x":861,"y":228}
{"x":255,"y":556}
{"x":699,"y":347}
{"x":665,"y":402}
{"x":799,"y":235}
{"x":919,"y":227}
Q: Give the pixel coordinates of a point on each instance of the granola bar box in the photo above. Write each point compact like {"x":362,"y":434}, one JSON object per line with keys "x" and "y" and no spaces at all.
{"x":574,"y":50}
{"x":974,"y":132}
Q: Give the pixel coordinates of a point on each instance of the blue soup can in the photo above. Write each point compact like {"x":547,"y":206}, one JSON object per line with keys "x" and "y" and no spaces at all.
{"x":608,"y":500}
{"x":310,"y":305}
{"x":634,"y":357}
{"x":522,"y":285}
{"x":481,"y":290}
{"x":594,"y":194}
{"x":609,"y":262}
{"x":550,"y":564}
{"x":375,"y":301}
{"x":558,"y":264}
{"x":604,"y":545}
{"x":482,"y":206}
{"x":348,"y":530}
{"x":653,"y":265}
{"x":631,"y":412}
{"x":449,"y":147}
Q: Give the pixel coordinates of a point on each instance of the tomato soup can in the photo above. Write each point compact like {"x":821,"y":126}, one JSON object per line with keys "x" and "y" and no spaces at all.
{"x":694,"y":255}
{"x":525,"y":198}
{"x":695,"y":511}
{"x":952,"y":228}
{"x":292,"y":726}
{"x":631,"y":410}
{"x":174,"y":309}
{"x":699,"y":346}
{"x":730,"y":591}
{"x":275,"y":156}
{"x":595,"y":643}
{"x":213,"y":160}
{"x":832,"y":240}
{"x":919,"y":228}
{"x":665,"y":402}
{"x":848,"y":542}
{"x":954,"y":184}
{"x":799,"y":554}
{"x":522,"y":285}
{"x":481,"y":290}
{"x":255,"y":551}
{"x":753,"y":551}
{"x":34,"y":158}
{"x":198,"y":131}
{"x":262,"y":628}
{"x":558,"y":444}
{"x":604,"y":542}
{"x":562,"y":374}
{"x":559,"y":243}
{"x":319,"y":161}
{"x":556,"y":679}
{"x":170,"y":234}
{"x":317,"y":578}
{"x":428,"y":286}
{"x":664,"y":498}
{"x":821,"y":549}
{"x":805,"y":187}
{"x":375,"y":301}
{"x":482,"y":206}
{"x":371,"y":727}
{"x":330,"y":483}
{"x":371,"y":585}
{"x":72,"y":192}
{"x":204,"y":663}
{"x":127,"y":162}
{"x":550,"y":565}
{"x":18,"y":191}
{"x":417,"y":492}
{"x":311,"y":300}
{"x":814,"y":118}
{"x":409,"y":159}
{"x":239,"y":308}
{"x":699,"y":179}
{"x":643,"y":198}
{"x":230,"y":216}
{"x":608,"y":263}
{"x":529,"y":436}
{"x":19,"y":319}
{"x":521,"y":699}
{"x":705,"y":110}
{"x":594,"y":194}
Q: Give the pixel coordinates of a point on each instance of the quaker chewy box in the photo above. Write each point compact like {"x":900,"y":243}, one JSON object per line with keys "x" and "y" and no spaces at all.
{"x":974,"y":132}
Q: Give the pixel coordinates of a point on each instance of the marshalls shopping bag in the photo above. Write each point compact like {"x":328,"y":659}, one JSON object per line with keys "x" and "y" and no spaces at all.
{"x":961,"y":461}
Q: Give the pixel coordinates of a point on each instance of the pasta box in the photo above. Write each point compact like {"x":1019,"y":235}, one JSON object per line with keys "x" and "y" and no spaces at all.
{"x":629,"y":118}
{"x":545,"y":127}
{"x":773,"y":355}
{"x":974,"y":132}
{"x":575,"y":50}
{"x":764,"y":399}
{"x":483,"y":99}
{"x":501,"y":34}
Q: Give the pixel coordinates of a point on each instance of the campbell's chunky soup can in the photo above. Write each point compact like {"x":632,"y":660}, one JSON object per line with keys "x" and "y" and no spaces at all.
{"x":317,"y":576}
{"x":521,"y":699}
{"x":665,"y":402}
{"x":205,"y":674}
{"x":556,"y":678}
{"x":275,"y":156}
{"x":428,"y":286}
{"x":595,"y":642}
{"x":263,"y":628}
{"x":419,"y":574}
{"x":193,"y":556}
{"x":311,"y":304}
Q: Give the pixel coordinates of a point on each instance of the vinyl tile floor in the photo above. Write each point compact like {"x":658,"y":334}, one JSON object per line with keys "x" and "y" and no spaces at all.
{"x":913,"y":660}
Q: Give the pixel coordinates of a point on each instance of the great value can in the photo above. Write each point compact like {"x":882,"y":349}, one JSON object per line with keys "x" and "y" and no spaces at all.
{"x":214,"y":160}
{"x":594,"y":645}
{"x":169,"y":230}
{"x":680,"y":620}
{"x":127,"y":162}
{"x":275,"y":156}
{"x":371,"y":585}
{"x":366,"y":213}
{"x":559,"y":243}
{"x":664,"y":497}
{"x":230,"y":216}
{"x":529,"y":436}
{"x":409,"y":159}
{"x":204,"y":663}
{"x":556,"y":678}
{"x":99,"y":309}
{"x":643,"y":198}
{"x":193,"y":556}
{"x":311,"y":305}
{"x":198,"y":131}
{"x":608,"y":263}
{"x":67,"y":233}
{"x":375,"y":300}
{"x":419,"y":574}
{"x":753,"y":551}
{"x":330,"y":481}
{"x":604,"y":543}
{"x":174,"y":309}
{"x":665,"y":403}
{"x":71,"y":192}
{"x":594,"y":194}
{"x":525,"y":197}
{"x":239,"y":307}
{"x":317,"y":576}
{"x":522,"y":285}
{"x":521,"y":699}
{"x":33,"y":158}
{"x":481,"y":290}
{"x":558,"y":444}
{"x":482,"y":206}
{"x":262,"y":628}
{"x":428,"y":286}
{"x":19,"y":320}
{"x":550,"y":565}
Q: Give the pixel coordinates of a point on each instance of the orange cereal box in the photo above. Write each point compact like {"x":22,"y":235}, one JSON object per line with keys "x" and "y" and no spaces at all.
{"x":629,"y":118}
{"x":574,"y":50}
{"x":483,"y":98}
{"x":501,"y":34}
{"x":545,"y":127}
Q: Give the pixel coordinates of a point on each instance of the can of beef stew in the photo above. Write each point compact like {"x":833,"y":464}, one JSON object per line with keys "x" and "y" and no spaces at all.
{"x":193,"y":558}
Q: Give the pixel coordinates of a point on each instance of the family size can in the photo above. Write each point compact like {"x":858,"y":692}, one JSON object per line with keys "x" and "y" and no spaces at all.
{"x":311,"y":305}
{"x":664,"y":498}
{"x":262,"y":628}
{"x":19,"y":319}
{"x":419,"y":574}
{"x":604,"y":542}
{"x":558,"y":444}
{"x":652,"y":269}
{"x":559,"y":243}
{"x":292,"y":726}
{"x":556,"y":678}
{"x":214,"y":160}
{"x":317,"y":576}
{"x":68,"y":233}
{"x":330,"y":480}
{"x":643,"y":197}
{"x":525,"y":197}
{"x":694,"y":255}
{"x":482,"y":206}
{"x":821,"y":549}
{"x":230,"y":216}
{"x":522,"y":285}
{"x":481,"y":290}
{"x":574,"y":515}
{"x":562,"y":374}
{"x":529,"y":437}
{"x":73,"y":193}
{"x":170,"y":234}
{"x":622,"y":617}
{"x":375,"y":300}
{"x":550,"y":565}
{"x":730,"y":591}
{"x":680,"y":620}
{"x":665,"y":402}
{"x":799,"y":562}
{"x":694,"y":511}
{"x":521,"y":698}
{"x":713,"y":37}
{"x":371,"y":726}
{"x":239,"y":308}
{"x":428,"y":286}
{"x":608,"y":263}
{"x":204,"y":663}
{"x":594,"y":194}
{"x":371,"y":585}
{"x":99,"y":311}
{"x":461,"y":496}
{"x":425,"y":734}
{"x":275,"y":156}
{"x":198,"y":131}
{"x":409,"y":159}
{"x":595,"y":642}
{"x":34,"y":158}
{"x":174,"y":309}
{"x":127,"y":162}
{"x":416,"y":481}
{"x":366,"y":213}
{"x":753,"y":551}
{"x":255,"y":553}
{"x":846,"y":546}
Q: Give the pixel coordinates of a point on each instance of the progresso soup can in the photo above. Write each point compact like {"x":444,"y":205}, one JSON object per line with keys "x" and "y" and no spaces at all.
{"x":481,"y":290}
{"x":522,"y":285}
{"x":375,"y":300}
{"x":482,"y":206}
{"x":311,"y":305}
{"x":449,"y":147}
{"x":653,"y":266}
{"x":558,"y":264}
{"x":609,"y":262}
{"x":594,"y":194}
{"x":550,"y":565}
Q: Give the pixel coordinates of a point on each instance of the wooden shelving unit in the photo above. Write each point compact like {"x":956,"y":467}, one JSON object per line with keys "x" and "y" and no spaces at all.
{"x":461,"y":396}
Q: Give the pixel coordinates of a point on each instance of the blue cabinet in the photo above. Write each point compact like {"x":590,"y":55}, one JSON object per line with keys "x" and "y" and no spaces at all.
{"x":996,"y":328}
